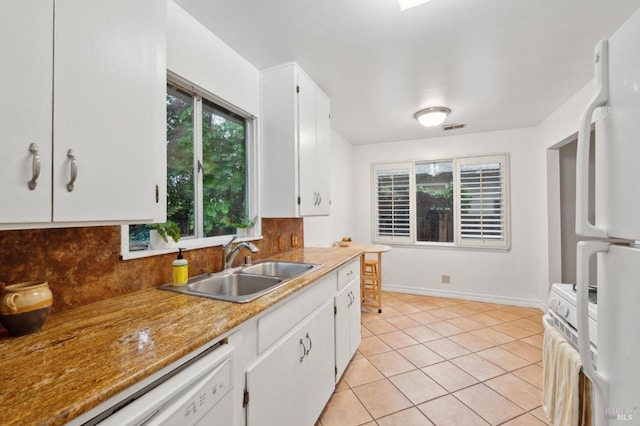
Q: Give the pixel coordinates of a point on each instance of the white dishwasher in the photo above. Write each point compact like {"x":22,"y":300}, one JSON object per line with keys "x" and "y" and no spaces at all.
{"x":198,"y":393}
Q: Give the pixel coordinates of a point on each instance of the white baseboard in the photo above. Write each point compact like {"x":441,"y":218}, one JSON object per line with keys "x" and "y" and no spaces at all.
{"x":476,"y":297}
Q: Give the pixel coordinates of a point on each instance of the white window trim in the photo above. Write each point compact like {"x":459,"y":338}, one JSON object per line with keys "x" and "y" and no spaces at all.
{"x":458,"y":243}
{"x":253,"y":185}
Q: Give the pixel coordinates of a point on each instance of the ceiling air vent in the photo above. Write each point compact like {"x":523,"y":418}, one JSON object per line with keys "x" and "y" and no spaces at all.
{"x":452,"y":126}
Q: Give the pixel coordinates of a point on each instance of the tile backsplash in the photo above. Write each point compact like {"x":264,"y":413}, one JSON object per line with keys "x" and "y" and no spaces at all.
{"x":83,"y":265}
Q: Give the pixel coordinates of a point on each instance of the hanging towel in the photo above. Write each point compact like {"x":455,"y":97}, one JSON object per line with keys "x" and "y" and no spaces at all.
{"x":566,"y":392}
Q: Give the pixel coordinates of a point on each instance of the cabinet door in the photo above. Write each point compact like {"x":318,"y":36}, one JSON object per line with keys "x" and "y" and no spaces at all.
{"x":343,"y":330}
{"x":293,"y":381}
{"x":272,"y":383}
{"x":323,"y":154}
{"x":307,"y":156}
{"x":347,"y":325}
{"x":318,"y":380}
{"x":109,"y":108}
{"x":26,"y":31}
{"x":355,"y":316}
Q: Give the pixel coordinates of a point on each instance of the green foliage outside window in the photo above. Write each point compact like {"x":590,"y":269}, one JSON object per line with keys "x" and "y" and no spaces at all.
{"x":223,"y":166}
{"x":224,"y":161}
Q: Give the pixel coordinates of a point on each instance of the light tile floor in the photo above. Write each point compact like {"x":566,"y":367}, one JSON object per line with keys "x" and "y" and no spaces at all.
{"x":435,"y":361}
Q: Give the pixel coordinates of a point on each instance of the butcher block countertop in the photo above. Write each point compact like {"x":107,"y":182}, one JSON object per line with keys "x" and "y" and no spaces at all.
{"x":84,"y":356}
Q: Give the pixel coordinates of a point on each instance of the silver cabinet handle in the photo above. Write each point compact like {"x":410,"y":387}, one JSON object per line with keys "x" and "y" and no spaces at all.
{"x":35,"y":166}
{"x":319,"y":199}
{"x":74,"y":169}
{"x":310,"y":344}
{"x":304,"y":350}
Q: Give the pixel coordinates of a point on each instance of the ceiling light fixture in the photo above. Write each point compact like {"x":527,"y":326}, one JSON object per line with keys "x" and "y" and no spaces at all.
{"x":408,"y":4}
{"x":430,"y":117}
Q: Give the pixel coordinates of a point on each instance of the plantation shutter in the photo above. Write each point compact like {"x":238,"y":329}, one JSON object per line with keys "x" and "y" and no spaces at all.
{"x":393,"y":202}
{"x":482,"y":199}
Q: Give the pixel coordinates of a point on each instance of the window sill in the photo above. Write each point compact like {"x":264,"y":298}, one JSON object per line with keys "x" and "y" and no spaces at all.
{"x":185,"y":245}
{"x":445,"y":246}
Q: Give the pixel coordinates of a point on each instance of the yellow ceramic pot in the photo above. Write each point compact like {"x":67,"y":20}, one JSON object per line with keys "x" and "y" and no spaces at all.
{"x":24,"y":307}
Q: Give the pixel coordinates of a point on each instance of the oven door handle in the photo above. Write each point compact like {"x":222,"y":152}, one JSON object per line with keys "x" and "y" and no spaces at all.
{"x":586,"y":249}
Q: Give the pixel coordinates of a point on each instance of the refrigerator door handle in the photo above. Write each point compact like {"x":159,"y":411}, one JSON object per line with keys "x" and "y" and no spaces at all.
{"x":586,"y":249}
{"x":585,"y":228}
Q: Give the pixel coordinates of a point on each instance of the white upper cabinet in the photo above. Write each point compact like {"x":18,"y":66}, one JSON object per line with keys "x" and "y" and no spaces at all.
{"x":91,"y":82}
{"x":295,"y":144}
{"x":26,"y":87}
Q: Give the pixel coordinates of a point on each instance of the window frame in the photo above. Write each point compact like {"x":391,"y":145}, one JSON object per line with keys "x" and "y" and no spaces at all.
{"x":458,"y":242}
{"x":252,"y":178}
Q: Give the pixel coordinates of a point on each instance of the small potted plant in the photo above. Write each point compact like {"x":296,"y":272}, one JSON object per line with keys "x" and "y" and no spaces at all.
{"x":244,"y":226}
{"x":161,"y":232}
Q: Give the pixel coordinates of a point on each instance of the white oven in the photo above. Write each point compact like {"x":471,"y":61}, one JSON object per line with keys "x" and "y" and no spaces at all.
{"x":562,"y":314}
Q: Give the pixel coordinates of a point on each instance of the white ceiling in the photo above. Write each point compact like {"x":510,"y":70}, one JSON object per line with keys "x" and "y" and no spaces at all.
{"x":498,"y":64}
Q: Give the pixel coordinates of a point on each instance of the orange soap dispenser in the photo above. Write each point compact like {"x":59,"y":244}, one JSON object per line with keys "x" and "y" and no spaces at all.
{"x":180,"y":270}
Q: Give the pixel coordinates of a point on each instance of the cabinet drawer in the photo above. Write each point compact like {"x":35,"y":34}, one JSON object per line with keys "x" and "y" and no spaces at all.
{"x":348,"y":273}
{"x":276,"y":324}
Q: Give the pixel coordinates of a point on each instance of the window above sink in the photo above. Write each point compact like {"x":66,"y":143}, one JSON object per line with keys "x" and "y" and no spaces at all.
{"x":211,"y":172}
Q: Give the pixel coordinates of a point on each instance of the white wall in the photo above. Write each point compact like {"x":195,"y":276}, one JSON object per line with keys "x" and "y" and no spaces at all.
{"x":199,"y":56}
{"x":558,"y":128}
{"x":501,"y":276}
{"x":323,"y":231}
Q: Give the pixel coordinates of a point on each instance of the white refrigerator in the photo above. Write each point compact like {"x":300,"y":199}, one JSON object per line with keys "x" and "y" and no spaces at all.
{"x":616,"y":110}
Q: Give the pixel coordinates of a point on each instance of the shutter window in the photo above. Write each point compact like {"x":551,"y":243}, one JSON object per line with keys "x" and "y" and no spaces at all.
{"x":482,"y":201}
{"x":392,"y":206}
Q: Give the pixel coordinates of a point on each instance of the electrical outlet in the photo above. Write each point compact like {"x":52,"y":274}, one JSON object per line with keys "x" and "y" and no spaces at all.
{"x":281,"y":243}
{"x":294,"y":240}
{"x":445,"y":279}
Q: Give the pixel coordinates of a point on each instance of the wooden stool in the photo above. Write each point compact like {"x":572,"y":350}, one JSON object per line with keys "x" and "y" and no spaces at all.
{"x":370,"y":282}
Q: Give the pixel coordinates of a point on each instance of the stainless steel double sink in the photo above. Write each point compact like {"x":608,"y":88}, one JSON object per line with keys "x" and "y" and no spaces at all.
{"x":244,"y":283}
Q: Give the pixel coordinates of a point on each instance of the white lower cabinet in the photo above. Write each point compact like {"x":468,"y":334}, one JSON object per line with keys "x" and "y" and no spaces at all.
{"x":347,"y":325}
{"x":295,"y":353}
{"x":292,"y":381}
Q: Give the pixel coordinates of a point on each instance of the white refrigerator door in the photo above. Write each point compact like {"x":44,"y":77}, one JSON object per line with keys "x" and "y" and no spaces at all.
{"x":617,"y":128}
{"x":617,"y":374}
{"x":619,"y":331}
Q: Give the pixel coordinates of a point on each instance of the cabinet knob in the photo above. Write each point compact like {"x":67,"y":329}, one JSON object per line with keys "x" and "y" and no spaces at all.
{"x":35,"y":166}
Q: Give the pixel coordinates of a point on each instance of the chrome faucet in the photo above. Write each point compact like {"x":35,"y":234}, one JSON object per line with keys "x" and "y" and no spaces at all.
{"x":230,"y":253}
